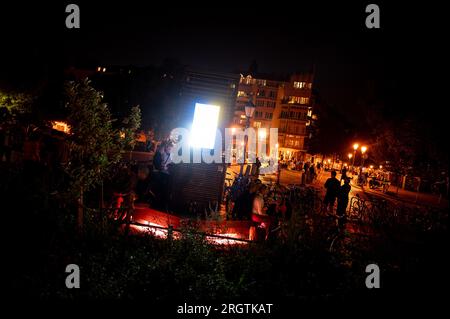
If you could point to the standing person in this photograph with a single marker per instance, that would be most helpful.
(344, 174)
(305, 173)
(312, 173)
(342, 198)
(258, 165)
(161, 163)
(332, 186)
(150, 141)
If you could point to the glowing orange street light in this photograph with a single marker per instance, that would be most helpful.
(363, 150)
(355, 147)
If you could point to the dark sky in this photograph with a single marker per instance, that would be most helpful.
(228, 36)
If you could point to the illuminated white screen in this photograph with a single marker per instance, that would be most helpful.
(204, 126)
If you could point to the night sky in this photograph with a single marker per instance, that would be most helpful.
(350, 60)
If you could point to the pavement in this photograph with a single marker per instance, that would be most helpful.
(394, 195)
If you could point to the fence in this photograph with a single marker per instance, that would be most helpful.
(381, 212)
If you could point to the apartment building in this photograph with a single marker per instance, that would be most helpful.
(283, 103)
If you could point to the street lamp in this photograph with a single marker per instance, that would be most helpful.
(249, 110)
(363, 150)
(355, 147)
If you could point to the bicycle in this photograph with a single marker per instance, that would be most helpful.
(378, 213)
(358, 209)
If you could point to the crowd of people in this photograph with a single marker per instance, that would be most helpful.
(260, 203)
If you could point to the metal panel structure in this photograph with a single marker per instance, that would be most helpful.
(196, 187)
(199, 186)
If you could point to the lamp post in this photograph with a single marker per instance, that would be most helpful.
(363, 151)
(355, 147)
(249, 110)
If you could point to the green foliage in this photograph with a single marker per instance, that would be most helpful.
(14, 104)
(396, 143)
(93, 151)
(130, 125)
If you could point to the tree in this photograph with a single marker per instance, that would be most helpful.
(130, 125)
(93, 150)
(13, 105)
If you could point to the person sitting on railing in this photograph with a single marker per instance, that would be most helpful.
(259, 212)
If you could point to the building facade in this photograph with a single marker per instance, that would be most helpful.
(285, 104)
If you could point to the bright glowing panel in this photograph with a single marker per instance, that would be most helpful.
(204, 126)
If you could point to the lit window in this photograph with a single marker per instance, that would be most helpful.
(262, 82)
(257, 124)
(241, 93)
(299, 85)
(294, 99)
(104, 69)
